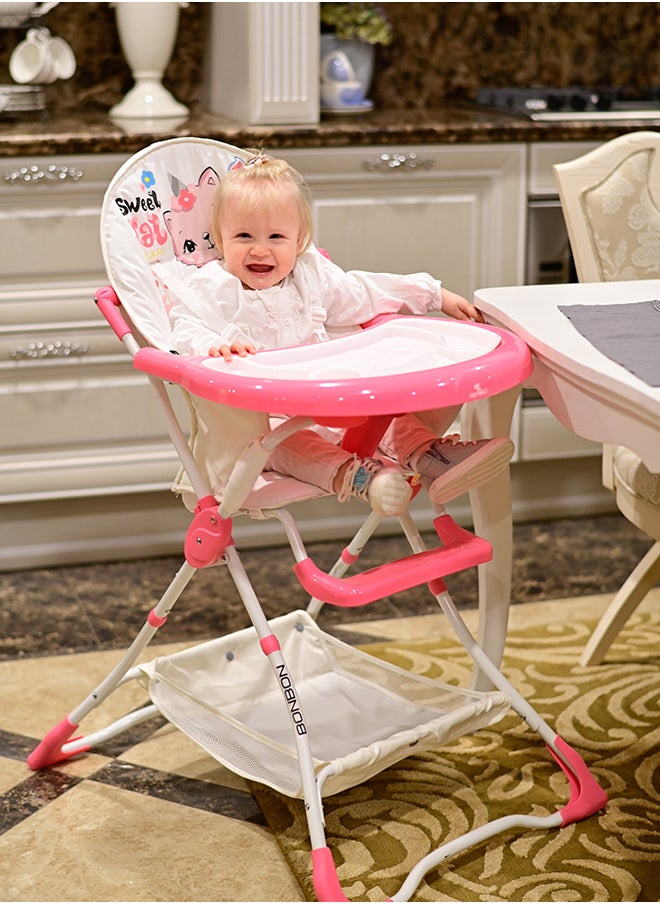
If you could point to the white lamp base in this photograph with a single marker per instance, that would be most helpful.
(148, 99)
(147, 33)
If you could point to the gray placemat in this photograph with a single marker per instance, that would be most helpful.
(629, 334)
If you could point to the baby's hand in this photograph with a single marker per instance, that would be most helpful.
(242, 349)
(458, 307)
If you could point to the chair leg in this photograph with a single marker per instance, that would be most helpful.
(644, 577)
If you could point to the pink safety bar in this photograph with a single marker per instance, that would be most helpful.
(505, 366)
(460, 550)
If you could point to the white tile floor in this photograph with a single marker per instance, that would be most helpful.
(160, 821)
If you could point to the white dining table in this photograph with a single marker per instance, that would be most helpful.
(587, 391)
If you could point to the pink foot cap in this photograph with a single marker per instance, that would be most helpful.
(50, 749)
(326, 883)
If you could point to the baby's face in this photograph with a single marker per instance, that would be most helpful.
(260, 246)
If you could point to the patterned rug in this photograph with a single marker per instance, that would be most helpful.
(609, 713)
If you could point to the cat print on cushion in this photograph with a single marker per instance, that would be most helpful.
(189, 220)
(186, 223)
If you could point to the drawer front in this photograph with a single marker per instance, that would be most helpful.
(80, 429)
(68, 390)
(544, 155)
(49, 215)
(87, 473)
(66, 406)
(45, 325)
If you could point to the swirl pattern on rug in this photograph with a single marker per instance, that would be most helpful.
(610, 713)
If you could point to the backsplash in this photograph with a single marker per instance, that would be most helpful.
(441, 52)
(102, 76)
(448, 50)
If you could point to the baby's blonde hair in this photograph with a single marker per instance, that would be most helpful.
(261, 181)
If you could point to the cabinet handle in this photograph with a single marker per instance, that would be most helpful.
(59, 349)
(52, 173)
(398, 161)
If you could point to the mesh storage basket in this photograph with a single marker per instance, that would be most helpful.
(361, 714)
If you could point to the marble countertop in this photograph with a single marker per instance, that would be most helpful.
(94, 132)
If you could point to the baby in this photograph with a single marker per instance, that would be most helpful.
(272, 289)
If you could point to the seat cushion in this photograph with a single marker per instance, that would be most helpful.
(632, 471)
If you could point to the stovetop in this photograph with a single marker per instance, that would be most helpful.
(573, 104)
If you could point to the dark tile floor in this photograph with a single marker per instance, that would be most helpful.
(97, 607)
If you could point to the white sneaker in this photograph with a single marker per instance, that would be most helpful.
(455, 467)
(385, 488)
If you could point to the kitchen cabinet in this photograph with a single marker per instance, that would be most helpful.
(85, 463)
(457, 212)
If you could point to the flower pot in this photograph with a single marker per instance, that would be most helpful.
(347, 68)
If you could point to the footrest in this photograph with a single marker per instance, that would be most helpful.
(460, 550)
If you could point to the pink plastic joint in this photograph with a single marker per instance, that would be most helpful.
(206, 502)
(208, 535)
(155, 620)
(108, 304)
(437, 586)
(270, 644)
(587, 797)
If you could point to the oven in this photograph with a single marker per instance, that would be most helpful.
(548, 257)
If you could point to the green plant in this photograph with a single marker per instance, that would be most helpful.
(365, 21)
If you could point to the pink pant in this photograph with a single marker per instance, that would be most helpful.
(315, 456)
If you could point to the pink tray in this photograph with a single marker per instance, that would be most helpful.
(403, 364)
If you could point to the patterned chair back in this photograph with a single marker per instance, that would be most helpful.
(609, 201)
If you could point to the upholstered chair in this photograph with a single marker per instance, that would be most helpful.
(610, 200)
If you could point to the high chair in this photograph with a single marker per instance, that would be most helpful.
(282, 702)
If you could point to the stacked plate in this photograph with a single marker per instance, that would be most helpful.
(21, 99)
(13, 15)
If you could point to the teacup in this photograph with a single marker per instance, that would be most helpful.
(41, 59)
(65, 61)
(342, 94)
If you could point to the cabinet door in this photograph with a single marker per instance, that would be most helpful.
(455, 212)
(83, 422)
